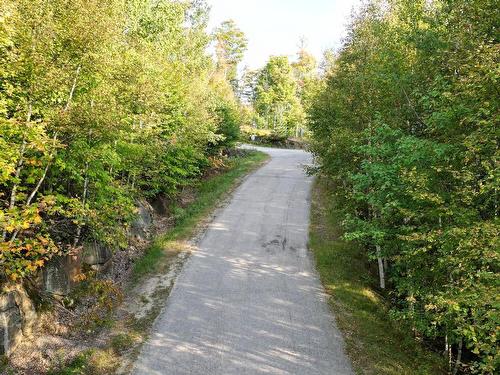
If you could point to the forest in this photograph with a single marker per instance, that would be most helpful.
(405, 126)
(103, 103)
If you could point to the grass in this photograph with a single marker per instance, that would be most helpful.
(122, 342)
(90, 362)
(209, 194)
(4, 361)
(375, 344)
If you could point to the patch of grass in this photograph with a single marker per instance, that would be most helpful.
(89, 362)
(375, 344)
(208, 195)
(122, 342)
(77, 366)
(4, 362)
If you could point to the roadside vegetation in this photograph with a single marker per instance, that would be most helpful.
(405, 129)
(376, 344)
(279, 95)
(103, 104)
(106, 104)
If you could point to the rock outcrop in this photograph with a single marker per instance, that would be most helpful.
(141, 226)
(17, 316)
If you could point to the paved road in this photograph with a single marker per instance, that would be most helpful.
(249, 301)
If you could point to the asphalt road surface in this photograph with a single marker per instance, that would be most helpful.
(249, 301)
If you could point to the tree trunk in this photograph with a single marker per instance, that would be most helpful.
(447, 351)
(84, 201)
(19, 167)
(39, 183)
(459, 357)
(381, 272)
(42, 178)
(73, 87)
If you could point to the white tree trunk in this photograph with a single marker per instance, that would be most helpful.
(447, 351)
(381, 271)
(84, 201)
(73, 87)
(19, 167)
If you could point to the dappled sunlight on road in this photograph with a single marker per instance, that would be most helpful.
(249, 300)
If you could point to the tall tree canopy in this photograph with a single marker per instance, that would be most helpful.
(276, 99)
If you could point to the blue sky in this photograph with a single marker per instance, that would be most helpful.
(275, 27)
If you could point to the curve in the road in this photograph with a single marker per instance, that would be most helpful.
(249, 301)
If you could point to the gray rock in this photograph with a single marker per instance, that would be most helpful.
(95, 253)
(10, 329)
(17, 316)
(56, 277)
(141, 226)
(7, 301)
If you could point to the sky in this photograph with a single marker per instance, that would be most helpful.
(275, 27)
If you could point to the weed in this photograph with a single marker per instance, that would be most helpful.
(76, 366)
(102, 297)
(4, 362)
(89, 362)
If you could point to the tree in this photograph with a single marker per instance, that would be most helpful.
(276, 100)
(247, 86)
(305, 70)
(101, 104)
(230, 47)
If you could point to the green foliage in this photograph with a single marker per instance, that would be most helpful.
(102, 297)
(121, 342)
(376, 345)
(101, 103)
(263, 137)
(276, 100)
(231, 44)
(88, 362)
(281, 92)
(229, 127)
(228, 115)
(77, 366)
(405, 126)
